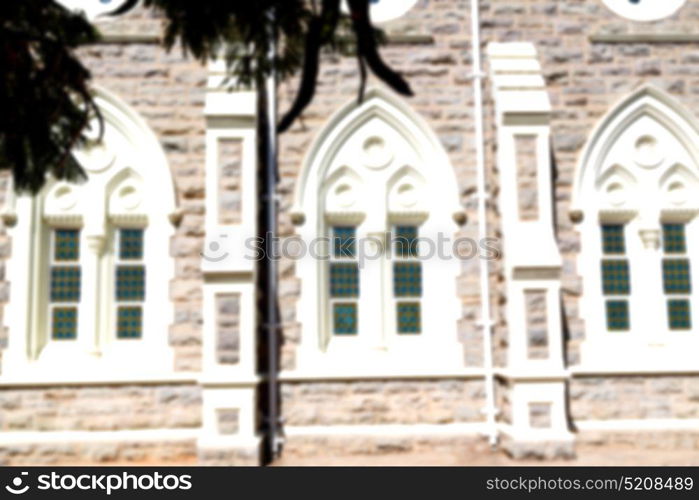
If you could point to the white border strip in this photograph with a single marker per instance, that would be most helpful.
(630, 425)
(461, 429)
(141, 435)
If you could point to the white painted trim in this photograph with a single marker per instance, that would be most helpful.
(38, 378)
(632, 424)
(140, 435)
(633, 368)
(378, 430)
(369, 374)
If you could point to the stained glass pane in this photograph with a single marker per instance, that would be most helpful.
(66, 244)
(344, 279)
(676, 276)
(405, 241)
(407, 279)
(678, 314)
(617, 315)
(615, 277)
(65, 284)
(344, 242)
(64, 323)
(130, 283)
(674, 239)
(131, 244)
(345, 319)
(408, 317)
(613, 239)
(129, 322)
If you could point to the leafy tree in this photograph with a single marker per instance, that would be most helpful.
(45, 100)
(45, 103)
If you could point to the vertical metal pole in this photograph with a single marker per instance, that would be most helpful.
(486, 322)
(267, 154)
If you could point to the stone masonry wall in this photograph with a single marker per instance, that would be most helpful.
(100, 408)
(382, 402)
(628, 397)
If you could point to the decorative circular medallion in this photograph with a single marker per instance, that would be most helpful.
(386, 10)
(644, 10)
(375, 153)
(647, 154)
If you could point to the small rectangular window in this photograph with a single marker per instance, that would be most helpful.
(617, 315)
(674, 239)
(64, 284)
(616, 277)
(405, 241)
(407, 280)
(677, 279)
(130, 283)
(613, 239)
(409, 320)
(679, 316)
(345, 318)
(344, 242)
(343, 283)
(676, 276)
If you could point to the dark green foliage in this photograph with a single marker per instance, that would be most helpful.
(304, 29)
(45, 103)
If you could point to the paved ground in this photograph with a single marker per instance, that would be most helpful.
(586, 456)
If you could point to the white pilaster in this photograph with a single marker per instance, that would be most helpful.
(532, 259)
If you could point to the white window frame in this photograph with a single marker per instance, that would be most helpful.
(123, 172)
(614, 184)
(334, 165)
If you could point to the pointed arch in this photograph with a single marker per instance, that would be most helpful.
(646, 102)
(376, 170)
(129, 193)
(392, 110)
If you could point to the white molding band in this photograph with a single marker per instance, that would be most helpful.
(140, 435)
(383, 430)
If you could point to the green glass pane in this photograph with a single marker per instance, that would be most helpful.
(130, 283)
(405, 242)
(129, 322)
(408, 317)
(344, 279)
(678, 315)
(64, 323)
(674, 239)
(613, 239)
(615, 277)
(407, 279)
(344, 242)
(66, 244)
(676, 276)
(617, 315)
(345, 319)
(65, 284)
(131, 244)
